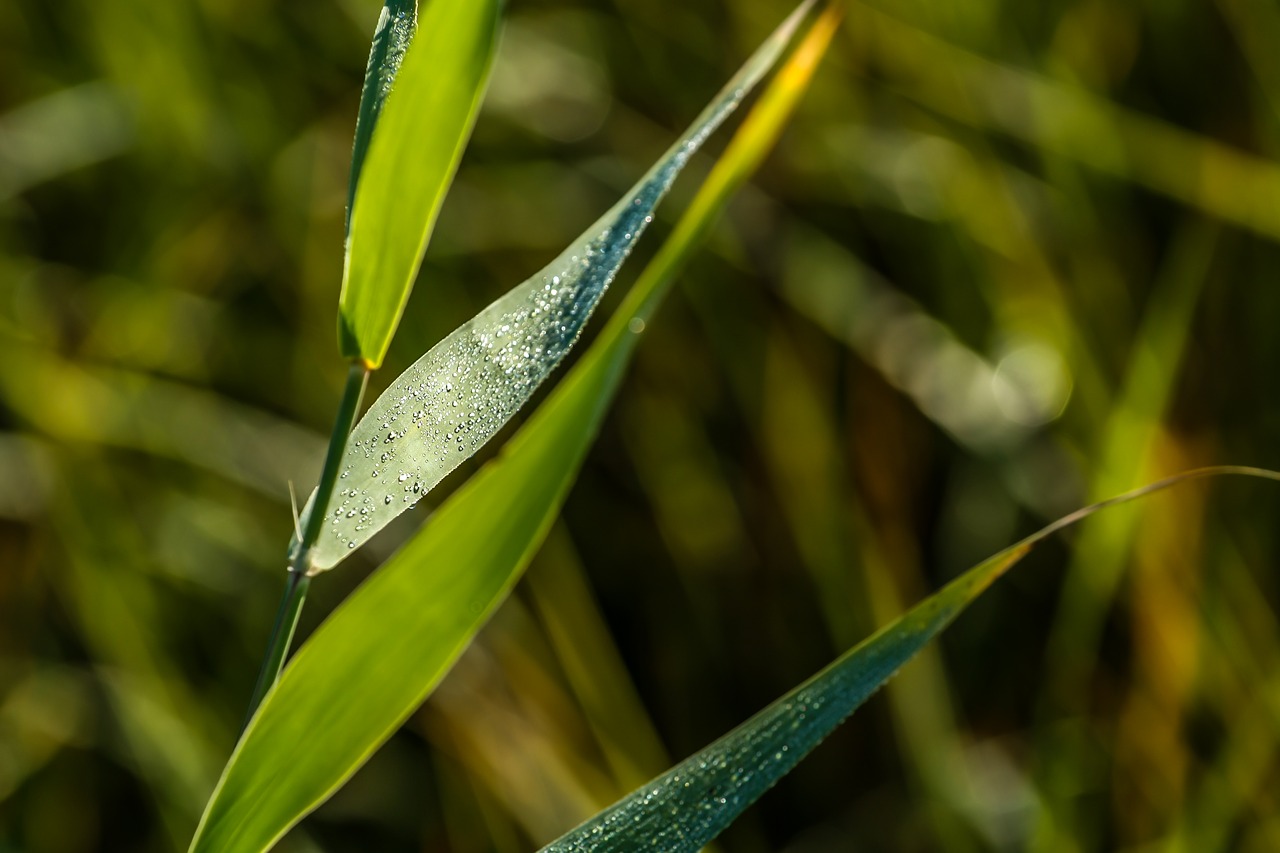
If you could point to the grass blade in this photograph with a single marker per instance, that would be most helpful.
(401, 631)
(450, 402)
(396, 26)
(413, 153)
(689, 805)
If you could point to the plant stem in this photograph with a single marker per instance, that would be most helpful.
(295, 591)
(300, 559)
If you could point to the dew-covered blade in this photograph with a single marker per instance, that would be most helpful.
(687, 807)
(450, 402)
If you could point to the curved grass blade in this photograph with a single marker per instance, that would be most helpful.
(688, 806)
(391, 38)
(450, 402)
(382, 651)
(413, 153)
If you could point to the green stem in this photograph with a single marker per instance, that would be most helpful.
(295, 591)
(300, 559)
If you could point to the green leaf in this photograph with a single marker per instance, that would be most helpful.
(458, 395)
(385, 648)
(689, 805)
(391, 38)
(416, 144)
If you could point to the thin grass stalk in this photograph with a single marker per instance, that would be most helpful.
(295, 591)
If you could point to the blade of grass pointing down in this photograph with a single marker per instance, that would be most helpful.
(689, 805)
(413, 152)
(382, 651)
(450, 402)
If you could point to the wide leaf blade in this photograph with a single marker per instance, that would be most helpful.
(416, 145)
(382, 651)
(450, 402)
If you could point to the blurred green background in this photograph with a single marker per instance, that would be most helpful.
(1010, 257)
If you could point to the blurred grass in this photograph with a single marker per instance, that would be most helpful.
(1008, 257)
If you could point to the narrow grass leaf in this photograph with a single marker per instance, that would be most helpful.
(414, 150)
(687, 807)
(450, 402)
(396, 26)
(385, 648)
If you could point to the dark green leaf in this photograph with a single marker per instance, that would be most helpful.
(415, 148)
(396, 26)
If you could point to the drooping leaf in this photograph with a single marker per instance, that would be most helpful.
(383, 650)
(391, 38)
(416, 144)
(450, 402)
(688, 806)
